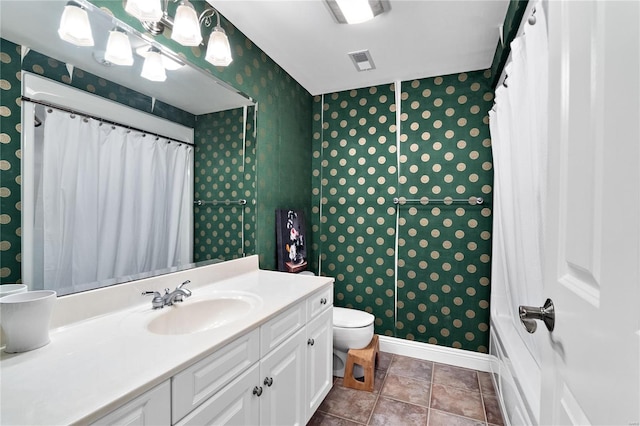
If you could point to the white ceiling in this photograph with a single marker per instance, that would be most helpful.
(415, 39)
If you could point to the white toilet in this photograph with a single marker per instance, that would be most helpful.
(352, 329)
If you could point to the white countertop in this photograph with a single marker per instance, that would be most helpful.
(95, 364)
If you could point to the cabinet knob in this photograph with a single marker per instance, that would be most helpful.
(257, 390)
(311, 342)
(268, 381)
(323, 301)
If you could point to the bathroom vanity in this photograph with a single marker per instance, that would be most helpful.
(248, 347)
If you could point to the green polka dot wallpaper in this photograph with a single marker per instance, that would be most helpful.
(435, 287)
(224, 171)
(10, 152)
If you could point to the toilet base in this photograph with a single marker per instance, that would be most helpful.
(339, 363)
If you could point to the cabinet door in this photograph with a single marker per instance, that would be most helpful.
(150, 408)
(283, 381)
(235, 404)
(319, 360)
(196, 384)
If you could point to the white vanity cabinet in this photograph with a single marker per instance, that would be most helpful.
(276, 374)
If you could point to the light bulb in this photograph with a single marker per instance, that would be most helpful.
(218, 49)
(152, 69)
(119, 49)
(74, 26)
(186, 28)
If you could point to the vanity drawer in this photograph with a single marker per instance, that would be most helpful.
(318, 302)
(193, 386)
(278, 329)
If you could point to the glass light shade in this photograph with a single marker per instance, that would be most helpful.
(218, 49)
(186, 28)
(169, 64)
(145, 10)
(75, 27)
(355, 11)
(119, 49)
(152, 69)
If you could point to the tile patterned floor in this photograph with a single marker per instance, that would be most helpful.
(411, 391)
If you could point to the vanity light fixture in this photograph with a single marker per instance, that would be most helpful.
(185, 29)
(144, 10)
(186, 26)
(74, 25)
(356, 11)
(119, 49)
(153, 69)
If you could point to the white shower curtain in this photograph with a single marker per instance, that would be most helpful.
(518, 127)
(115, 202)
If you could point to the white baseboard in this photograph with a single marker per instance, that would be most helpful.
(436, 353)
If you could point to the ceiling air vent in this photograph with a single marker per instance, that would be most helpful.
(362, 60)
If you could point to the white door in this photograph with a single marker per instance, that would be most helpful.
(591, 360)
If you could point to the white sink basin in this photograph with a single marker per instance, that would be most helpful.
(193, 316)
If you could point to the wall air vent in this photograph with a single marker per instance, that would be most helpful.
(362, 60)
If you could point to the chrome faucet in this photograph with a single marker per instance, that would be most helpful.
(176, 295)
(169, 298)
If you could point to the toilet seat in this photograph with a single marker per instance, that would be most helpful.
(351, 318)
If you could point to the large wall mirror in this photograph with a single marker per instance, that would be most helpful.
(214, 122)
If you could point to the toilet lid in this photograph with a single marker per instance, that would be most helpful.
(351, 318)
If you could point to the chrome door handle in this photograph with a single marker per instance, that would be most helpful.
(547, 314)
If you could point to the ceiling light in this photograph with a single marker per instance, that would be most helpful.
(186, 27)
(153, 69)
(356, 11)
(74, 25)
(119, 49)
(144, 10)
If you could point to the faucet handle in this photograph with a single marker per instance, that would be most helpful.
(157, 302)
(185, 291)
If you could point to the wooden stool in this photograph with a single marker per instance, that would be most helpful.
(366, 358)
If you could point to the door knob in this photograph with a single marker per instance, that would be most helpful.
(547, 314)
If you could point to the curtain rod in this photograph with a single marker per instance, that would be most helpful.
(241, 201)
(102, 120)
(426, 200)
